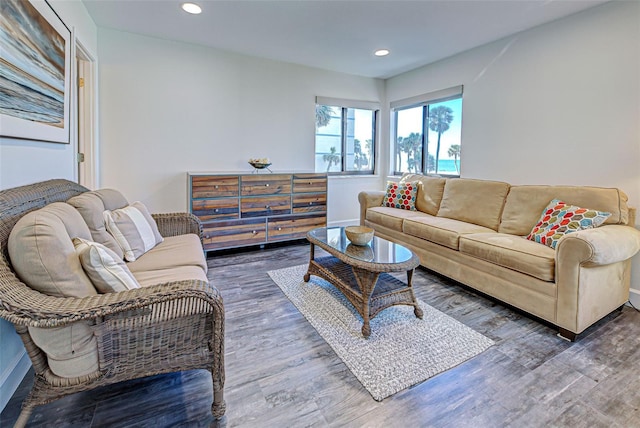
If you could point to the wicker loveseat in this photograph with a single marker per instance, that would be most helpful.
(161, 327)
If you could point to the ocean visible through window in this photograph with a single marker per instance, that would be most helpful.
(428, 137)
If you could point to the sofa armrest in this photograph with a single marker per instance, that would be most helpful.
(593, 274)
(368, 199)
(600, 246)
(173, 224)
(27, 307)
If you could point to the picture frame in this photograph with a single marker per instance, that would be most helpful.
(35, 72)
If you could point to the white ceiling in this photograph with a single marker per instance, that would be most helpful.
(333, 34)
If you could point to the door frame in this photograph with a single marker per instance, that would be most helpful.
(86, 172)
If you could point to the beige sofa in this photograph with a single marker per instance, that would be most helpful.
(86, 317)
(473, 231)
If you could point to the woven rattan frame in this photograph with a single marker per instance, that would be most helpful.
(365, 284)
(147, 331)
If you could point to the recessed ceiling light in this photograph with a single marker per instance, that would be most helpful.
(191, 8)
(382, 52)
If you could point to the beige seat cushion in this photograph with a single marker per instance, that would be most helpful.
(439, 230)
(161, 276)
(525, 204)
(512, 252)
(430, 191)
(391, 218)
(474, 201)
(72, 350)
(91, 205)
(174, 251)
(43, 254)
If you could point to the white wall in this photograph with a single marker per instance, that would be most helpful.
(24, 162)
(168, 107)
(558, 104)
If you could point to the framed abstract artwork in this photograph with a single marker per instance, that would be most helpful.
(35, 70)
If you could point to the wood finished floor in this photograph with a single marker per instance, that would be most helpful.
(281, 373)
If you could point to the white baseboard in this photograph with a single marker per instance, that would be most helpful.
(12, 376)
(634, 297)
(344, 223)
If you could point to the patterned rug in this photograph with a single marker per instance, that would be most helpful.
(402, 350)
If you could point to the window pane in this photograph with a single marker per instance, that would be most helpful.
(359, 140)
(445, 137)
(328, 138)
(345, 139)
(408, 142)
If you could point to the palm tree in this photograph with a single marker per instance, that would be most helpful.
(399, 150)
(359, 158)
(412, 146)
(454, 152)
(439, 120)
(323, 115)
(331, 158)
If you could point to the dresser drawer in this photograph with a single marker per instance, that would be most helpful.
(262, 206)
(285, 228)
(265, 184)
(309, 202)
(208, 186)
(234, 233)
(216, 209)
(309, 183)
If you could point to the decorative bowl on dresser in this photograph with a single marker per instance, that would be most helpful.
(239, 210)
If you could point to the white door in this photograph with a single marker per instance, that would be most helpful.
(86, 89)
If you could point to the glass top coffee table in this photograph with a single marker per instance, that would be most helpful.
(361, 272)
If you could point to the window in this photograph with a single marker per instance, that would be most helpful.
(428, 124)
(345, 136)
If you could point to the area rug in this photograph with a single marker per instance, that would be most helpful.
(402, 350)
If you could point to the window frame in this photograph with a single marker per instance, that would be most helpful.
(344, 105)
(424, 101)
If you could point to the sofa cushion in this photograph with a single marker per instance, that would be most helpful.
(133, 229)
(71, 350)
(474, 201)
(525, 203)
(512, 252)
(43, 255)
(389, 217)
(439, 230)
(107, 271)
(559, 219)
(401, 195)
(174, 251)
(91, 205)
(161, 276)
(430, 191)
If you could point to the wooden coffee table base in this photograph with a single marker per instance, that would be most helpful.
(369, 292)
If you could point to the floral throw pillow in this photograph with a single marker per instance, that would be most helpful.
(560, 218)
(401, 195)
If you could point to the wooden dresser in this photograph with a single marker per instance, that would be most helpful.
(237, 210)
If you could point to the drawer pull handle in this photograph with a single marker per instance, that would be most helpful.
(216, 210)
(311, 182)
(310, 203)
(267, 207)
(255, 232)
(216, 186)
(266, 185)
(278, 228)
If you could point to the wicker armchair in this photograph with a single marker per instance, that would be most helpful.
(164, 328)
